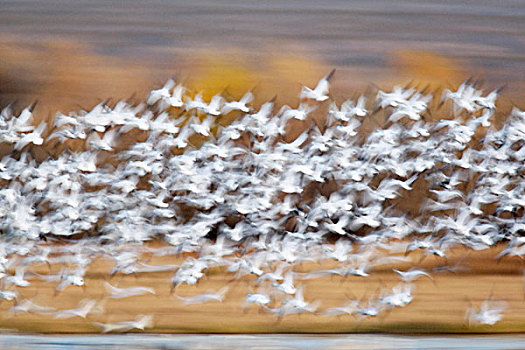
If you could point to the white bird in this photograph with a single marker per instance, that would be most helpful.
(348, 110)
(320, 92)
(8, 295)
(202, 128)
(197, 103)
(18, 278)
(300, 113)
(21, 123)
(120, 293)
(338, 227)
(163, 123)
(162, 93)
(205, 298)
(66, 278)
(294, 146)
(141, 322)
(374, 308)
(240, 105)
(490, 312)
(273, 276)
(190, 273)
(287, 286)
(85, 307)
(106, 143)
(78, 132)
(175, 100)
(214, 107)
(483, 120)
(349, 308)
(360, 271)
(466, 97)
(237, 233)
(412, 274)
(181, 141)
(34, 137)
(263, 114)
(445, 195)
(489, 101)
(359, 109)
(97, 119)
(295, 305)
(397, 97)
(340, 250)
(86, 161)
(401, 296)
(259, 299)
(411, 107)
(29, 306)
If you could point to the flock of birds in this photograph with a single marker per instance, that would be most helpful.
(242, 198)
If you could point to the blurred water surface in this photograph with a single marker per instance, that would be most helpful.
(293, 342)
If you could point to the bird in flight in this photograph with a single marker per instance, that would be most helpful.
(320, 92)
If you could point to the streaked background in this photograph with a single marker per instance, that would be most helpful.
(70, 53)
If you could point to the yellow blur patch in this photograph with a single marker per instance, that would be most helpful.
(214, 75)
(428, 68)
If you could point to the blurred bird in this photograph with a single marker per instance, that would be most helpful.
(141, 322)
(320, 92)
(119, 293)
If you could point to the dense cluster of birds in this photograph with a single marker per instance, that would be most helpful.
(243, 197)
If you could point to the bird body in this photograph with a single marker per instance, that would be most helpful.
(205, 298)
(490, 313)
(320, 92)
(119, 293)
(259, 299)
(85, 307)
(162, 93)
(34, 137)
(240, 105)
(411, 275)
(141, 322)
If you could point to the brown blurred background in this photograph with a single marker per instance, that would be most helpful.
(72, 54)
